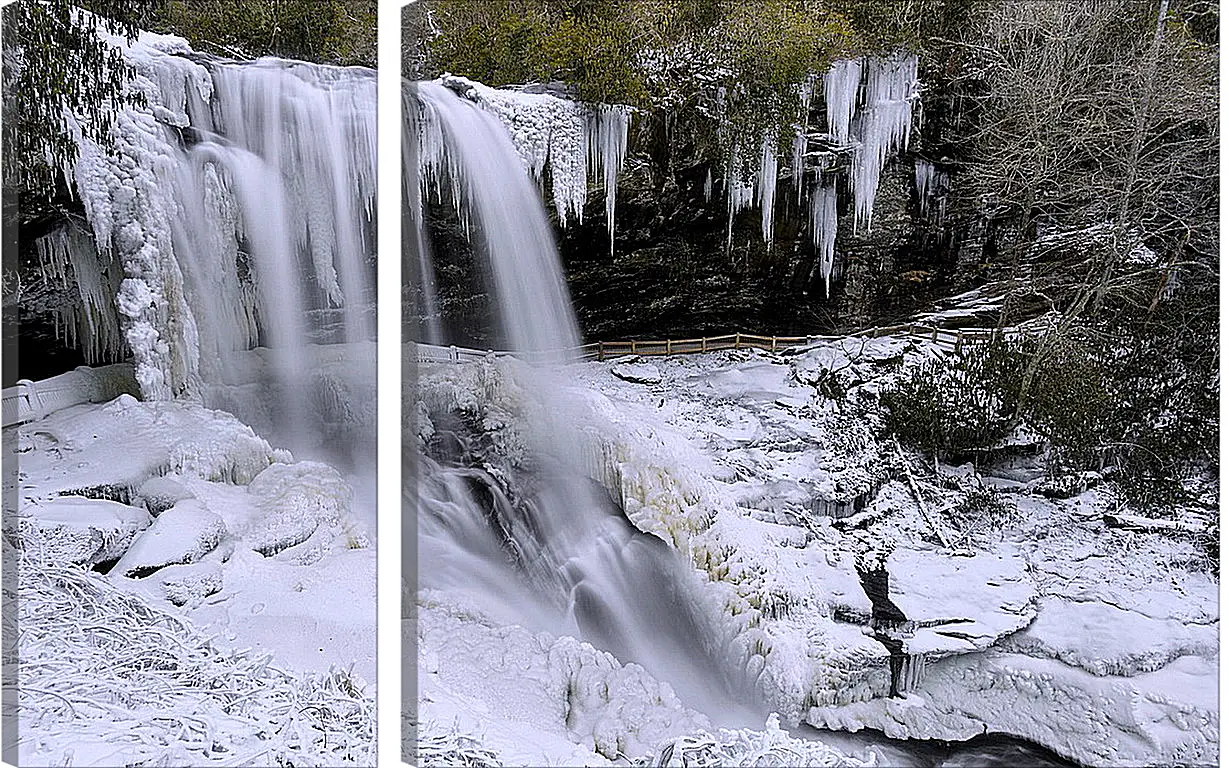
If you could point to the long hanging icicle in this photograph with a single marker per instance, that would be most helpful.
(608, 148)
(767, 183)
(841, 96)
(823, 229)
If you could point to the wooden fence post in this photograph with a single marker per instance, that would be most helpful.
(633, 346)
(601, 350)
(668, 350)
(738, 337)
(704, 344)
(774, 343)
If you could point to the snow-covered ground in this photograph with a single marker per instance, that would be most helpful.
(187, 594)
(767, 472)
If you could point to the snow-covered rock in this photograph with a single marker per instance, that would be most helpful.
(76, 529)
(295, 502)
(637, 373)
(182, 534)
(161, 493)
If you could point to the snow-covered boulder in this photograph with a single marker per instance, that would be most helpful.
(85, 531)
(637, 373)
(990, 594)
(182, 534)
(295, 501)
(161, 493)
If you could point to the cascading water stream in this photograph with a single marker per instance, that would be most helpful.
(528, 543)
(539, 546)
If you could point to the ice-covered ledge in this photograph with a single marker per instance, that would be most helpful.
(575, 139)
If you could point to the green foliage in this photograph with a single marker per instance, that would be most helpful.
(54, 63)
(738, 63)
(1137, 397)
(949, 405)
(339, 32)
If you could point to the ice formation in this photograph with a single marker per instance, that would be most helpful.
(880, 127)
(841, 96)
(931, 185)
(823, 228)
(568, 137)
(885, 122)
(92, 325)
(215, 188)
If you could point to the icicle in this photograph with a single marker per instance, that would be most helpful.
(767, 183)
(840, 97)
(923, 176)
(739, 192)
(883, 128)
(798, 167)
(708, 186)
(823, 229)
(611, 146)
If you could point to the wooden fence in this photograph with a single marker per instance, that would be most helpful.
(953, 339)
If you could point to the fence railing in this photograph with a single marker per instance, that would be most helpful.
(953, 339)
(30, 400)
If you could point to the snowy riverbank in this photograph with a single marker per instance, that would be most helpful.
(187, 593)
(1036, 619)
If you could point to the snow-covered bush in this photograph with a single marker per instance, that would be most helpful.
(144, 687)
(946, 405)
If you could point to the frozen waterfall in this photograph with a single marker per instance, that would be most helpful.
(466, 151)
(571, 139)
(238, 204)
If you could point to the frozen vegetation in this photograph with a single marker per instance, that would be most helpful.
(238, 594)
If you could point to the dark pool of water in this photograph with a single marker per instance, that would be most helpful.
(994, 750)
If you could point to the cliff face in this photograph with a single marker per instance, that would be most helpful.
(683, 266)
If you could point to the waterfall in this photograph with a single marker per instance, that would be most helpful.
(530, 540)
(463, 146)
(239, 202)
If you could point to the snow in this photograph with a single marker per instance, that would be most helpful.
(1054, 628)
(180, 535)
(291, 652)
(80, 530)
(639, 373)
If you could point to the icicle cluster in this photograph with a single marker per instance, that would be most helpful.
(874, 127)
(92, 325)
(841, 97)
(568, 137)
(884, 125)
